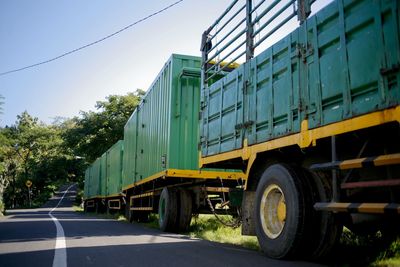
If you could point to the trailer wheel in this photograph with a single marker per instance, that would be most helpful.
(129, 215)
(168, 210)
(128, 212)
(185, 210)
(108, 210)
(324, 228)
(280, 211)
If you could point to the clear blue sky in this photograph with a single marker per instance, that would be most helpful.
(34, 31)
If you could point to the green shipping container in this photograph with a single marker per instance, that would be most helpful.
(94, 179)
(114, 168)
(162, 132)
(341, 63)
(87, 183)
(103, 174)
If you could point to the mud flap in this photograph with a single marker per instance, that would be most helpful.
(248, 204)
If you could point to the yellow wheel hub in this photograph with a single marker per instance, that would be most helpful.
(273, 211)
(282, 210)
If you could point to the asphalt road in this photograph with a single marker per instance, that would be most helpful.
(32, 238)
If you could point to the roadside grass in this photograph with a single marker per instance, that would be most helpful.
(209, 228)
(112, 216)
(369, 250)
(353, 250)
(77, 208)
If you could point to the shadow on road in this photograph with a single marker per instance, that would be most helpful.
(27, 238)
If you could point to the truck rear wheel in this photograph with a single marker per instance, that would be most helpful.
(280, 211)
(324, 229)
(185, 210)
(168, 210)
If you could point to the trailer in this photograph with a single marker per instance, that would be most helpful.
(312, 120)
(103, 181)
(92, 196)
(160, 170)
(289, 122)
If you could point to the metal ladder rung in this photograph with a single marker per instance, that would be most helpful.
(390, 159)
(372, 208)
(142, 208)
(381, 183)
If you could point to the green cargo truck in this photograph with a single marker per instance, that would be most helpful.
(313, 119)
(161, 148)
(114, 194)
(103, 181)
(289, 122)
(93, 187)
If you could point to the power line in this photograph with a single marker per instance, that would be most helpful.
(93, 43)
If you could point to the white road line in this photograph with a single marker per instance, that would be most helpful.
(60, 253)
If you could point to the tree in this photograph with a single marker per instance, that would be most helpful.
(92, 134)
(34, 151)
(50, 154)
(6, 167)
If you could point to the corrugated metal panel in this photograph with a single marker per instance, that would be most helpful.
(272, 99)
(222, 114)
(184, 136)
(353, 41)
(342, 62)
(114, 168)
(103, 174)
(162, 132)
(94, 185)
(130, 139)
(87, 183)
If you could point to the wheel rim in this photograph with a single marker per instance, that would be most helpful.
(273, 211)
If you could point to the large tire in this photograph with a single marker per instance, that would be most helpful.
(185, 210)
(280, 212)
(128, 211)
(168, 210)
(108, 210)
(324, 229)
(126, 208)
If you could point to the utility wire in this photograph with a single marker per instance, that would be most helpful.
(93, 43)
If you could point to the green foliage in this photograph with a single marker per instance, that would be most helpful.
(365, 250)
(390, 256)
(33, 151)
(52, 154)
(94, 132)
(209, 228)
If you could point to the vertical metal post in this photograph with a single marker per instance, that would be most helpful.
(303, 10)
(335, 192)
(29, 197)
(204, 48)
(250, 31)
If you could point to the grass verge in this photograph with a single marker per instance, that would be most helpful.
(209, 228)
(111, 216)
(352, 250)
